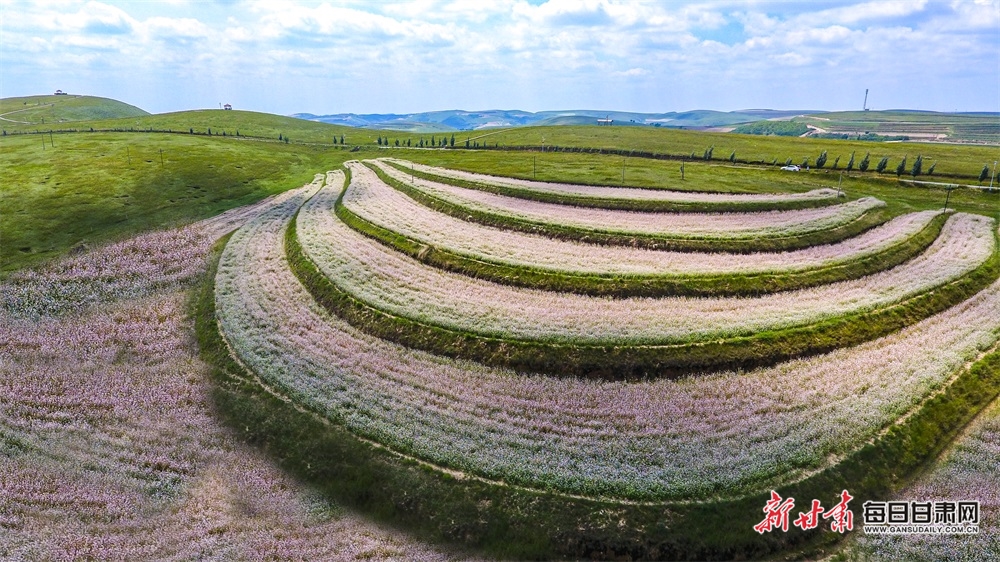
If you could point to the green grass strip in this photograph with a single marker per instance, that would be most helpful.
(622, 286)
(512, 522)
(866, 221)
(630, 362)
(621, 203)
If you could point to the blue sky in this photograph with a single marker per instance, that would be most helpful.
(424, 55)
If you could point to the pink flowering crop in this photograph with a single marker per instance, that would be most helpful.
(389, 281)
(370, 198)
(722, 434)
(708, 225)
(110, 448)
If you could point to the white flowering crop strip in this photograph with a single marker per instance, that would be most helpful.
(711, 436)
(111, 443)
(128, 269)
(969, 472)
(609, 192)
(371, 199)
(391, 282)
(675, 225)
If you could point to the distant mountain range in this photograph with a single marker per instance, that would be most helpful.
(459, 120)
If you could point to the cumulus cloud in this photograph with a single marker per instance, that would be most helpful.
(432, 54)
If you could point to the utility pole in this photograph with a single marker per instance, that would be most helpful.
(949, 188)
(993, 175)
(53, 144)
(623, 171)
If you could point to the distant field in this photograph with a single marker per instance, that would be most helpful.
(20, 112)
(604, 169)
(918, 125)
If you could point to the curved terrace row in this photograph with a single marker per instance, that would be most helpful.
(755, 231)
(374, 208)
(393, 295)
(724, 435)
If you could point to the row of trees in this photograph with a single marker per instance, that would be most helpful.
(434, 142)
(863, 165)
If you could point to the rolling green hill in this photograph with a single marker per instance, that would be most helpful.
(219, 122)
(16, 113)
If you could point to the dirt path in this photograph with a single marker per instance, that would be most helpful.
(4, 118)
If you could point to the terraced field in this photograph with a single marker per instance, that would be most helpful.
(683, 231)
(584, 375)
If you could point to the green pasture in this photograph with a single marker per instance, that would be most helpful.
(53, 110)
(91, 188)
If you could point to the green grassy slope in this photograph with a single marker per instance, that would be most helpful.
(32, 111)
(85, 190)
(246, 123)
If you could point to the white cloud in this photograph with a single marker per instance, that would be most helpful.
(511, 52)
(880, 9)
(633, 72)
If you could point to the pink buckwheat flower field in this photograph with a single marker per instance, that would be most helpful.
(437, 364)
